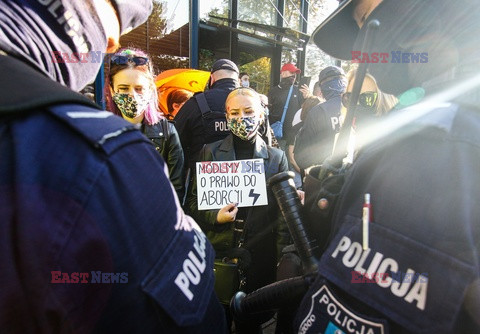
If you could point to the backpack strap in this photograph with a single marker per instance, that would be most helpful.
(287, 102)
(202, 103)
(214, 123)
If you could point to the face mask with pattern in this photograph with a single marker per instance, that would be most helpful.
(244, 128)
(131, 106)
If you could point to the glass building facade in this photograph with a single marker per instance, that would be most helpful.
(257, 35)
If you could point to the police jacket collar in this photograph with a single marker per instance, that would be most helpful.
(228, 150)
(23, 88)
(227, 83)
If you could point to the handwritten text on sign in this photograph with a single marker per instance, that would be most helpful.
(223, 182)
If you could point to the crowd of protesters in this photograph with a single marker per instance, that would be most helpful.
(310, 121)
(230, 121)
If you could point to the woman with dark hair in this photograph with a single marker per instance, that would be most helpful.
(130, 93)
(175, 100)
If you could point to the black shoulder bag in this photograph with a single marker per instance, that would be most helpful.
(231, 265)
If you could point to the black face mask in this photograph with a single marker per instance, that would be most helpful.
(364, 115)
(287, 81)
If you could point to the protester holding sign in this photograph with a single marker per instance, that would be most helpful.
(224, 182)
(258, 228)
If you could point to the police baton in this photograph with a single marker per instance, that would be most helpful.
(280, 294)
(341, 148)
(285, 192)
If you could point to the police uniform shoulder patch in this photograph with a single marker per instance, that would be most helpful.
(181, 281)
(102, 129)
(420, 293)
(329, 315)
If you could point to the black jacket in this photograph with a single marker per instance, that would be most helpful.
(277, 96)
(314, 141)
(171, 151)
(423, 184)
(266, 231)
(189, 122)
(83, 192)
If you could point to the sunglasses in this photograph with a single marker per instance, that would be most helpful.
(124, 60)
(366, 99)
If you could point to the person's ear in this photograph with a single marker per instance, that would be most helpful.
(211, 81)
(111, 24)
(261, 115)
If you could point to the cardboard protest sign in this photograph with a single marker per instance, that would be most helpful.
(223, 182)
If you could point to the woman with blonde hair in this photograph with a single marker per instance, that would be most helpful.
(372, 104)
(259, 232)
(371, 100)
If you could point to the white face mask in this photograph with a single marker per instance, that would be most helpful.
(245, 83)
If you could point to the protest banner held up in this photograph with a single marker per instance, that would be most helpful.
(222, 182)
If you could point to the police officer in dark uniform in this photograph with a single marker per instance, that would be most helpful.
(92, 237)
(407, 260)
(314, 141)
(201, 120)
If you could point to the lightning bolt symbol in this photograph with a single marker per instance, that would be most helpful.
(254, 196)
